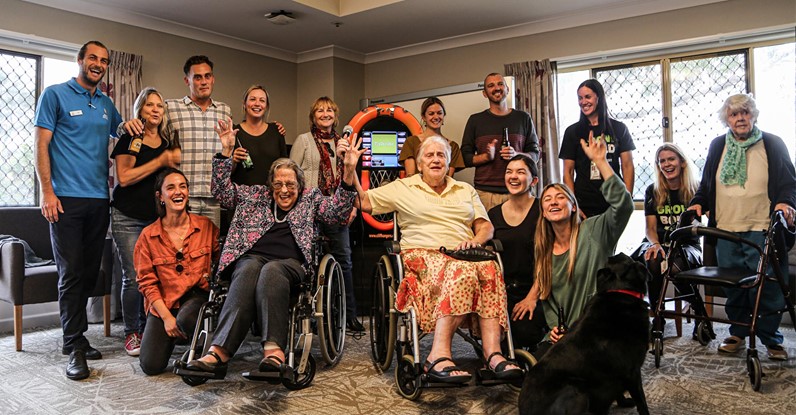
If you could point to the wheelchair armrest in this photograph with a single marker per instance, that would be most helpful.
(392, 247)
(12, 272)
(495, 244)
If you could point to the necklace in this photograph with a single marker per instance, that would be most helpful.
(276, 214)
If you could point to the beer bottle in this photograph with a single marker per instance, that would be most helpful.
(137, 141)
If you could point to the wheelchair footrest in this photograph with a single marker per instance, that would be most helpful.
(486, 377)
(255, 375)
(180, 369)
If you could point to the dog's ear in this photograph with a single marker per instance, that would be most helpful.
(605, 278)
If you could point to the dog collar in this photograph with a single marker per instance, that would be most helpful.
(636, 294)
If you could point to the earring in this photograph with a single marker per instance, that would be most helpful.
(162, 203)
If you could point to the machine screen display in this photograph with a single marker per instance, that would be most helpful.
(383, 148)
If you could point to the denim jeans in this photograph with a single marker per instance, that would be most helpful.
(340, 245)
(206, 206)
(125, 231)
(77, 239)
(740, 301)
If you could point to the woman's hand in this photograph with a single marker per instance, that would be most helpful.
(787, 211)
(239, 154)
(351, 160)
(170, 324)
(654, 251)
(527, 305)
(171, 158)
(342, 147)
(227, 136)
(555, 336)
(595, 149)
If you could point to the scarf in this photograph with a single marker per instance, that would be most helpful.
(327, 182)
(733, 171)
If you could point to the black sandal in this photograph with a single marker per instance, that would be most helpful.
(218, 369)
(271, 363)
(444, 375)
(500, 370)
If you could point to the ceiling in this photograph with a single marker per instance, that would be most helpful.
(360, 30)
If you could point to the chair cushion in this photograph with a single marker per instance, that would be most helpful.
(725, 277)
(40, 285)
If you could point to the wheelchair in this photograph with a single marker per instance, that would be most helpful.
(712, 276)
(319, 311)
(393, 332)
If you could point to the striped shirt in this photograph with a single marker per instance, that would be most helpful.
(197, 138)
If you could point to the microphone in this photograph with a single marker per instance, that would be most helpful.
(91, 105)
(347, 131)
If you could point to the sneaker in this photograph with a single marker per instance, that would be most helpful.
(732, 344)
(132, 344)
(777, 352)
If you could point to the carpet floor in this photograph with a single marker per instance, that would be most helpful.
(692, 379)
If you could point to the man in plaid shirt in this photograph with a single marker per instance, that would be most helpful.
(190, 125)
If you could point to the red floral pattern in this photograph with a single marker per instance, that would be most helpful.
(438, 285)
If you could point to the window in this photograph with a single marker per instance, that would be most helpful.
(20, 85)
(19, 75)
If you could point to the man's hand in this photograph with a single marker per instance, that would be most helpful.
(491, 148)
(134, 127)
(507, 152)
(51, 207)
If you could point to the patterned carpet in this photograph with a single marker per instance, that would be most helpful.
(691, 380)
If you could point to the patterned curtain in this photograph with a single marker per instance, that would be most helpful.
(122, 87)
(536, 96)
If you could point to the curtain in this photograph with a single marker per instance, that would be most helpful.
(535, 95)
(123, 84)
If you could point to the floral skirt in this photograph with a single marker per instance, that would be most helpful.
(437, 285)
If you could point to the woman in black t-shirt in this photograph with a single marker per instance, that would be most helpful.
(138, 159)
(515, 225)
(664, 201)
(258, 143)
(580, 174)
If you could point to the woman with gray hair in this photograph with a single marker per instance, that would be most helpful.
(268, 250)
(138, 159)
(434, 209)
(747, 176)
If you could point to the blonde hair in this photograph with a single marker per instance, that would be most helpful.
(688, 180)
(544, 239)
(324, 102)
(138, 106)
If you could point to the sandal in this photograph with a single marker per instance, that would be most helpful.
(218, 369)
(500, 370)
(271, 363)
(444, 375)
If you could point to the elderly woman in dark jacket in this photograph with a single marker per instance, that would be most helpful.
(268, 250)
(747, 176)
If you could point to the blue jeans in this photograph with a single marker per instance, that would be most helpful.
(125, 231)
(77, 240)
(740, 301)
(340, 245)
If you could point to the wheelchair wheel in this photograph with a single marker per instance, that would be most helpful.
(406, 378)
(382, 321)
(525, 361)
(703, 333)
(657, 350)
(755, 372)
(297, 381)
(332, 306)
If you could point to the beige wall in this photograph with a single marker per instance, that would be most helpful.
(164, 56)
(472, 63)
(349, 87)
(339, 79)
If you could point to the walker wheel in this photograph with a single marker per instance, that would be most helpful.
(755, 372)
(657, 349)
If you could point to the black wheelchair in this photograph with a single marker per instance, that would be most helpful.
(319, 311)
(392, 330)
(711, 276)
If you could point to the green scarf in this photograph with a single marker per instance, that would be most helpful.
(734, 169)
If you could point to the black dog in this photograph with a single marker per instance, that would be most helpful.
(601, 355)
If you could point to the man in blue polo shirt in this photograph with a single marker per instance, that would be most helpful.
(73, 123)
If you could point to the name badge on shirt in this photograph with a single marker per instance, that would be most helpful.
(75, 113)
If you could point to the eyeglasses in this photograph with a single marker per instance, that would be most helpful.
(289, 185)
(179, 257)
